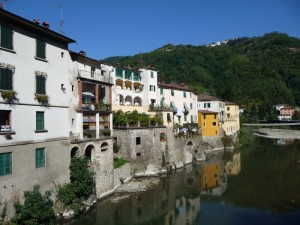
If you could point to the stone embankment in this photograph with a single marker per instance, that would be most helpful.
(278, 133)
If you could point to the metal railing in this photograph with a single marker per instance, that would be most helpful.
(95, 76)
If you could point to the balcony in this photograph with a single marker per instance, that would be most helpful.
(95, 76)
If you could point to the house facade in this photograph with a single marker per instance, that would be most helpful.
(214, 104)
(208, 121)
(178, 102)
(34, 107)
(232, 118)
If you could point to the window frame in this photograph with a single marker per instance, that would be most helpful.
(10, 46)
(40, 54)
(3, 72)
(40, 157)
(6, 169)
(40, 90)
(38, 126)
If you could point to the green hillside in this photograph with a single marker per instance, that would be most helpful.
(254, 72)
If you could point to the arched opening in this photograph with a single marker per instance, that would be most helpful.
(137, 101)
(74, 152)
(121, 100)
(128, 85)
(128, 100)
(190, 143)
(88, 154)
(137, 86)
(162, 137)
(104, 147)
(119, 84)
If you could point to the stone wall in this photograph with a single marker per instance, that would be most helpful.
(122, 173)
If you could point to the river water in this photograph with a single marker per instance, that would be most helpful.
(257, 184)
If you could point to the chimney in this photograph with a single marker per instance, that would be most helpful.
(82, 53)
(46, 25)
(36, 21)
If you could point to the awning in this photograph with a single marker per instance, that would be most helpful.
(186, 107)
(179, 112)
(172, 105)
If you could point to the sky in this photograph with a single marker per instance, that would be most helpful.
(105, 28)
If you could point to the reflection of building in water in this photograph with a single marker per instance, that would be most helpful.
(234, 167)
(284, 141)
(175, 200)
(213, 180)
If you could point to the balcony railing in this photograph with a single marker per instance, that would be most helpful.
(95, 76)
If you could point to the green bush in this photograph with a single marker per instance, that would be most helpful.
(80, 187)
(118, 162)
(37, 208)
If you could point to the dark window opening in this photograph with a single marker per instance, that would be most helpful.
(138, 140)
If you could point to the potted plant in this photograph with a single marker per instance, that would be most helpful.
(9, 96)
(42, 99)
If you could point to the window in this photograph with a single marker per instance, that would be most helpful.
(40, 49)
(152, 88)
(5, 163)
(207, 105)
(215, 116)
(185, 118)
(172, 92)
(168, 117)
(93, 69)
(191, 105)
(39, 157)
(138, 154)
(204, 124)
(152, 76)
(119, 72)
(5, 121)
(228, 108)
(214, 124)
(192, 119)
(6, 79)
(204, 116)
(184, 94)
(40, 121)
(6, 37)
(161, 91)
(40, 85)
(138, 140)
(179, 118)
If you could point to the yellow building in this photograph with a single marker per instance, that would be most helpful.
(208, 122)
(211, 176)
(232, 118)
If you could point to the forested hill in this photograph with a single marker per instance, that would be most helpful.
(254, 72)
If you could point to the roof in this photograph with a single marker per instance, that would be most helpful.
(207, 112)
(204, 97)
(181, 87)
(33, 27)
(82, 58)
(230, 103)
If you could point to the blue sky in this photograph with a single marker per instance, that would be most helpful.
(106, 28)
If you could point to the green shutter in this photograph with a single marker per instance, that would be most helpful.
(128, 74)
(40, 121)
(5, 79)
(40, 85)
(184, 94)
(185, 118)
(5, 164)
(119, 72)
(161, 91)
(40, 49)
(192, 118)
(39, 157)
(172, 92)
(6, 38)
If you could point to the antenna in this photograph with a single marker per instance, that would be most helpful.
(61, 22)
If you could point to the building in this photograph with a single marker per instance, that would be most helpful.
(178, 102)
(133, 89)
(286, 113)
(208, 121)
(34, 107)
(212, 103)
(91, 118)
(232, 118)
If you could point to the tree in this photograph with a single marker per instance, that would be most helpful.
(37, 208)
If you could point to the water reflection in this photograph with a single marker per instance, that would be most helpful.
(262, 180)
(283, 141)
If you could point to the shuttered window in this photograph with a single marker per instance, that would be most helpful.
(40, 49)
(40, 121)
(5, 163)
(40, 157)
(172, 92)
(40, 85)
(119, 72)
(6, 37)
(5, 79)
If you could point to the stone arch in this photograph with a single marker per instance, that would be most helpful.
(128, 100)
(190, 143)
(119, 84)
(74, 151)
(104, 147)
(88, 153)
(137, 101)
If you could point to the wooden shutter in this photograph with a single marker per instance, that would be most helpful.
(6, 38)
(40, 157)
(5, 164)
(5, 79)
(41, 85)
(39, 120)
(40, 49)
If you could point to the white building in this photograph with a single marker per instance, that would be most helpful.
(213, 104)
(181, 101)
(34, 106)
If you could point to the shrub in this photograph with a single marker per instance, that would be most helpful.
(118, 162)
(37, 208)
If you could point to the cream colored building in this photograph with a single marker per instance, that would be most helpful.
(232, 118)
(178, 103)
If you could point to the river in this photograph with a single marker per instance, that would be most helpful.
(257, 184)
